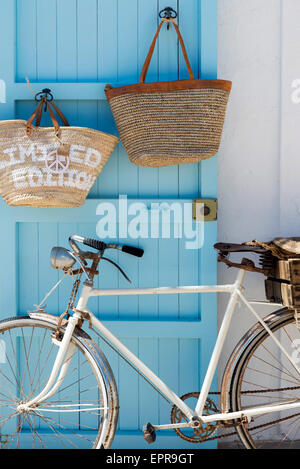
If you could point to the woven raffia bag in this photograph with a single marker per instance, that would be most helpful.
(50, 167)
(169, 123)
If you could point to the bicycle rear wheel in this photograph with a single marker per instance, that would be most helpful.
(263, 376)
(83, 411)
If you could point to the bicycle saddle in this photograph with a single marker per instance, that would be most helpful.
(226, 248)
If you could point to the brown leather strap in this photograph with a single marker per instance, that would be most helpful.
(61, 115)
(152, 47)
(53, 118)
(37, 110)
(37, 114)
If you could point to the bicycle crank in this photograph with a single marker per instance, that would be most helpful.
(204, 430)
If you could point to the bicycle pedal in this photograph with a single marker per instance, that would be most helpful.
(149, 433)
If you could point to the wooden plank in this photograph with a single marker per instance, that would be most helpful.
(88, 116)
(67, 90)
(147, 26)
(67, 40)
(189, 368)
(26, 36)
(188, 20)
(127, 69)
(148, 398)
(128, 391)
(47, 239)
(168, 372)
(87, 40)
(63, 233)
(107, 40)
(168, 71)
(85, 213)
(156, 329)
(28, 256)
(46, 37)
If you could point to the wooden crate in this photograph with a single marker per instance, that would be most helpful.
(288, 270)
(281, 292)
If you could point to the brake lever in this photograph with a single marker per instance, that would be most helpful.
(118, 267)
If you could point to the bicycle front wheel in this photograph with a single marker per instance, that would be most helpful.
(264, 376)
(83, 411)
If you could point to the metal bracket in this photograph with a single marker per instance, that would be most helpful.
(205, 209)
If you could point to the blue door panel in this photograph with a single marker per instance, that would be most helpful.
(81, 46)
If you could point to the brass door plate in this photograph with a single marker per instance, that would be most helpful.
(205, 209)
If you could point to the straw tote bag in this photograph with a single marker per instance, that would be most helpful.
(50, 166)
(169, 123)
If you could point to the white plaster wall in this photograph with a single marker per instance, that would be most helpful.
(259, 158)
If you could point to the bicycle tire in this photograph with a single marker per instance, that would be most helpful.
(281, 429)
(24, 342)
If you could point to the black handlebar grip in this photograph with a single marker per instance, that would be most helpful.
(134, 251)
(94, 243)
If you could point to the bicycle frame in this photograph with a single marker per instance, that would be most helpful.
(194, 415)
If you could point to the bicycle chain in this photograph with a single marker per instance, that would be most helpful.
(253, 428)
(290, 388)
(215, 393)
(231, 425)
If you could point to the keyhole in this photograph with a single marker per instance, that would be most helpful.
(205, 210)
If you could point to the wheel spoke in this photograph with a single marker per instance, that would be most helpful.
(29, 357)
(267, 371)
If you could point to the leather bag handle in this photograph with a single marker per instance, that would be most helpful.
(37, 114)
(152, 47)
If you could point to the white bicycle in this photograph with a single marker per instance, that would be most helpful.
(57, 389)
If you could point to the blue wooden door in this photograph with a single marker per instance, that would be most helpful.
(75, 47)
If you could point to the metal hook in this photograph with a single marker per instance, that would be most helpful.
(168, 13)
(44, 95)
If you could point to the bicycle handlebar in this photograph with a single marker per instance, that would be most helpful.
(101, 246)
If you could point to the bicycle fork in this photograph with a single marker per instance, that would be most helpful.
(62, 362)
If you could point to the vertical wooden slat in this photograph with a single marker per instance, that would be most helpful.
(26, 50)
(108, 182)
(147, 26)
(128, 389)
(168, 275)
(188, 367)
(128, 71)
(188, 275)
(148, 398)
(28, 266)
(47, 239)
(88, 115)
(87, 38)
(208, 184)
(168, 71)
(107, 40)
(188, 20)
(46, 25)
(64, 230)
(66, 40)
(169, 372)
